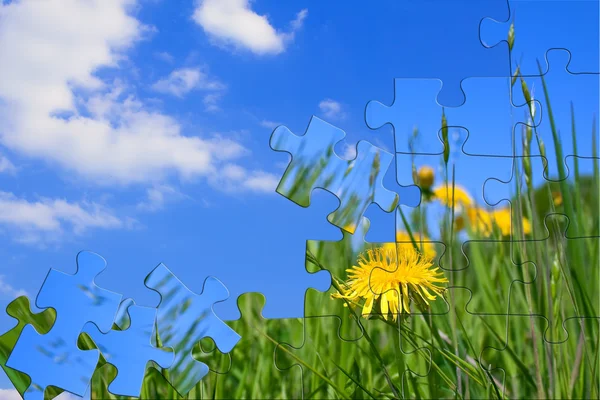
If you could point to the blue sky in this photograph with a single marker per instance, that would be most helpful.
(139, 129)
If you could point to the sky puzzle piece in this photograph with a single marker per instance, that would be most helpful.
(54, 359)
(356, 183)
(130, 350)
(184, 318)
(578, 33)
(488, 115)
(448, 46)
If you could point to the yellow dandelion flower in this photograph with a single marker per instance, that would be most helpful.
(484, 222)
(426, 176)
(461, 196)
(480, 221)
(390, 279)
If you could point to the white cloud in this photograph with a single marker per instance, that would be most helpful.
(269, 124)
(164, 56)
(234, 23)
(6, 165)
(10, 292)
(210, 102)
(184, 80)
(349, 152)
(46, 219)
(158, 196)
(53, 106)
(234, 178)
(331, 109)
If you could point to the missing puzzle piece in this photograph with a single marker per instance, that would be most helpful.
(130, 350)
(356, 183)
(184, 318)
(54, 359)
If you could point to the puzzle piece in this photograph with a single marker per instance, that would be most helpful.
(525, 353)
(437, 39)
(579, 18)
(457, 332)
(573, 110)
(21, 311)
(490, 134)
(130, 350)
(183, 319)
(357, 183)
(318, 354)
(53, 359)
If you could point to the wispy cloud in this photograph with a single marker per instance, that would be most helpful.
(184, 80)
(233, 178)
(8, 291)
(6, 166)
(232, 22)
(269, 124)
(164, 56)
(331, 109)
(47, 219)
(158, 196)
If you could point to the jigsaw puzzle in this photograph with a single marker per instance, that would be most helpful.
(488, 287)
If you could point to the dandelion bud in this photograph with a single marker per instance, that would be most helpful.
(426, 176)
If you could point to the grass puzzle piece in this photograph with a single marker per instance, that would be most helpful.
(320, 352)
(356, 183)
(458, 334)
(531, 362)
(253, 356)
(54, 359)
(579, 18)
(130, 350)
(183, 319)
(20, 310)
(579, 101)
(490, 134)
(561, 289)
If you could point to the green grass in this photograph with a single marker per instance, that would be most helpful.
(464, 346)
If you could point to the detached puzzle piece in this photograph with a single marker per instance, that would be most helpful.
(356, 183)
(578, 18)
(20, 310)
(54, 359)
(184, 318)
(130, 350)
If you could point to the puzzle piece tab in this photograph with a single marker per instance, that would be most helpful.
(183, 319)
(356, 183)
(54, 359)
(130, 350)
